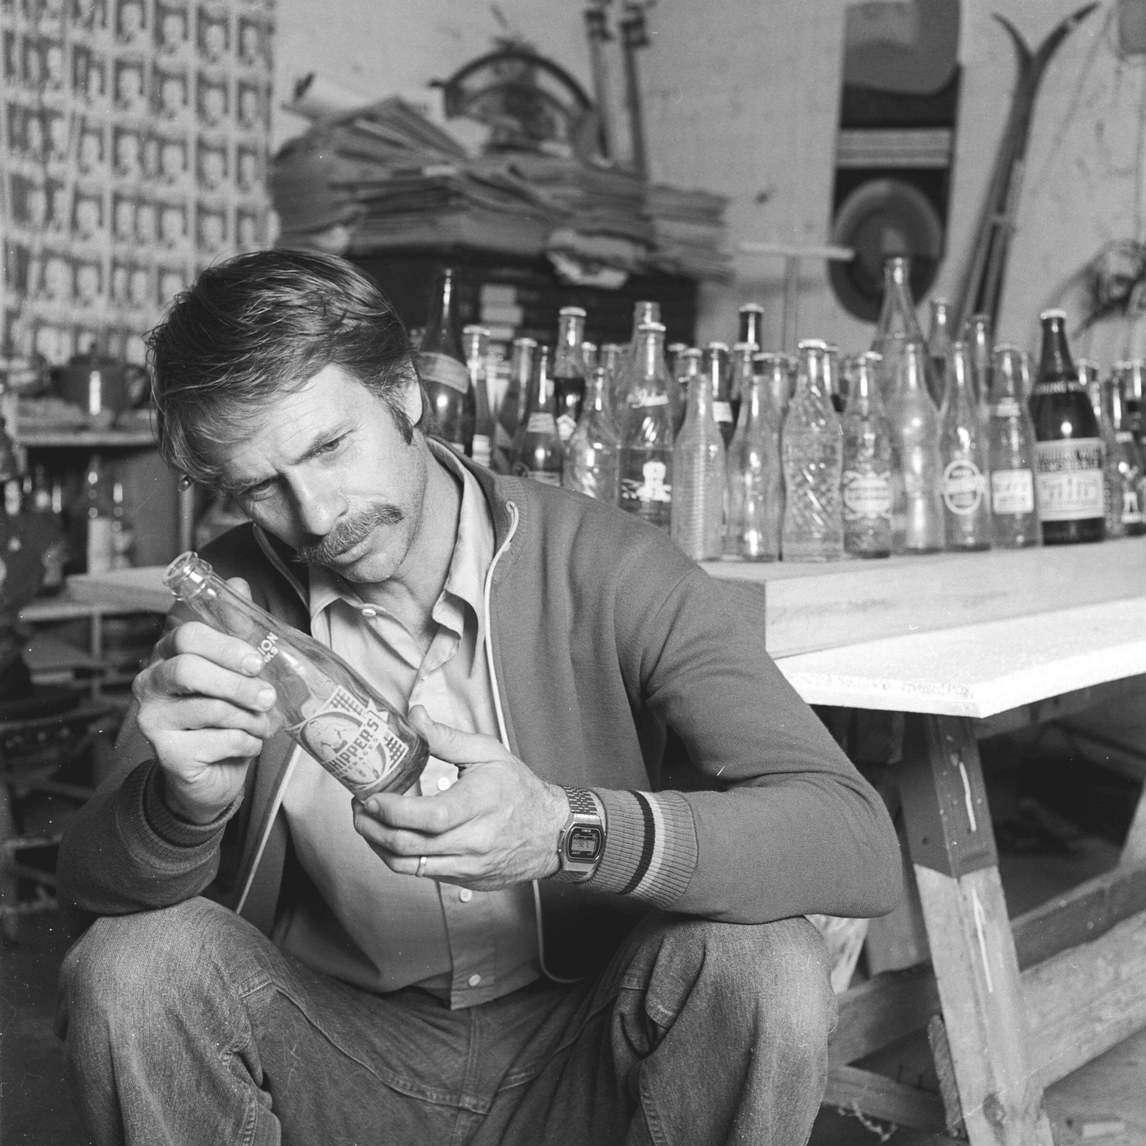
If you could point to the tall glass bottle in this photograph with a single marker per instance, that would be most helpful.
(779, 370)
(979, 338)
(644, 310)
(750, 324)
(812, 453)
(718, 372)
(1127, 471)
(592, 454)
(939, 339)
(755, 496)
(917, 516)
(963, 454)
(328, 709)
(689, 367)
(740, 378)
(897, 325)
(866, 484)
(1134, 394)
(538, 451)
(834, 377)
(611, 356)
(588, 355)
(647, 432)
(1069, 454)
(475, 343)
(442, 367)
(698, 467)
(512, 409)
(569, 369)
(1011, 453)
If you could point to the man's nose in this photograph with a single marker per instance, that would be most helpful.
(318, 505)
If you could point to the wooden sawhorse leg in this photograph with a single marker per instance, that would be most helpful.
(952, 848)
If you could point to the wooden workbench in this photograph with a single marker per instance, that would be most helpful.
(965, 646)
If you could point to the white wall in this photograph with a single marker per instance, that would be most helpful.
(741, 96)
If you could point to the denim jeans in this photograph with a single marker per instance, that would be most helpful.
(187, 1025)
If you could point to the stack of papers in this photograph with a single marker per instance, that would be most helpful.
(384, 176)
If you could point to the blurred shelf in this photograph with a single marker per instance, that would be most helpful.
(81, 439)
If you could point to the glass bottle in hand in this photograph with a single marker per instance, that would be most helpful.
(328, 709)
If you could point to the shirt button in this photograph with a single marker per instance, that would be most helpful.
(474, 980)
(465, 895)
(368, 611)
(444, 783)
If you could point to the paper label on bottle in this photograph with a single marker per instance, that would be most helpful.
(541, 423)
(651, 487)
(1131, 510)
(722, 411)
(1070, 479)
(865, 495)
(963, 486)
(444, 370)
(1007, 408)
(351, 740)
(1012, 491)
(482, 450)
(100, 545)
(566, 424)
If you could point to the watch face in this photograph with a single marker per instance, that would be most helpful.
(583, 843)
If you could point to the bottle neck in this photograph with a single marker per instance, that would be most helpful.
(1055, 363)
(651, 359)
(441, 333)
(570, 356)
(540, 395)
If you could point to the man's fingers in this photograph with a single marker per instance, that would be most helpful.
(454, 745)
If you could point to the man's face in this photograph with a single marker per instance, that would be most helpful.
(326, 470)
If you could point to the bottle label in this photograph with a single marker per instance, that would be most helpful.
(963, 486)
(1070, 479)
(1131, 510)
(866, 494)
(566, 424)
(482, 450)
(1012, 491)
(541, 423)
(644, 401)
(101, 545)
(444, 370)
(351, 740)
(722, 411)
(1007, 408)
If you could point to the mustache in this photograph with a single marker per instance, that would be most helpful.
(348, 533)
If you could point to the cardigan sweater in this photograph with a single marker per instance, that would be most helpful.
(619, 665)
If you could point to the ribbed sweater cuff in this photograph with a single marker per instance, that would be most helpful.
(167, 829)
(650, 845)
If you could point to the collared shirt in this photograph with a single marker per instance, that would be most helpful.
(355, 918)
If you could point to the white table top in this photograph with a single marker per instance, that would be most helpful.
(979, 670)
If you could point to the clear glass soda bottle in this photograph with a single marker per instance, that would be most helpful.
(538, 451)
(689, 367)
(979, 338)
(1127, 469)
(866, 483)
(592, 454)
(475, 344)
(963, 454)
(328, 709)
(740, 378)
(779, 370)
(812, 452)
(717, 366)
(1069, 454)
(442, 367)
(897, 325)
(698, 467)
(1011, 454)
(647, 432)
(834, 378)
(569, 370)
(917, 515)
(939, 339)
(755, 497)
(611, 357)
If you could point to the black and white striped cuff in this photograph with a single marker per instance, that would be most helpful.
(650, 850)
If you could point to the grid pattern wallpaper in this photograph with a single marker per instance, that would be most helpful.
(135, 139)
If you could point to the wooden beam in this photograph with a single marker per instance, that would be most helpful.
(875, 1096)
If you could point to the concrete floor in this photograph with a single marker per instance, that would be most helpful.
(1039, 855)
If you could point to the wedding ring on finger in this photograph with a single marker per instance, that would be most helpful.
(421, 866)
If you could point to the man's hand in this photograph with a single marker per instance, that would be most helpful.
(206, 713)
(496, 827)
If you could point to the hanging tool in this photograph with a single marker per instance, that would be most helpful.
(599, 34)
(634, 35)
(981, 289)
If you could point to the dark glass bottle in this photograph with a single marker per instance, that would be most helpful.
(718, 373)
(537, 450)
(1069, 454)
(1127, 468)
(569, 371)
(442, 368)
